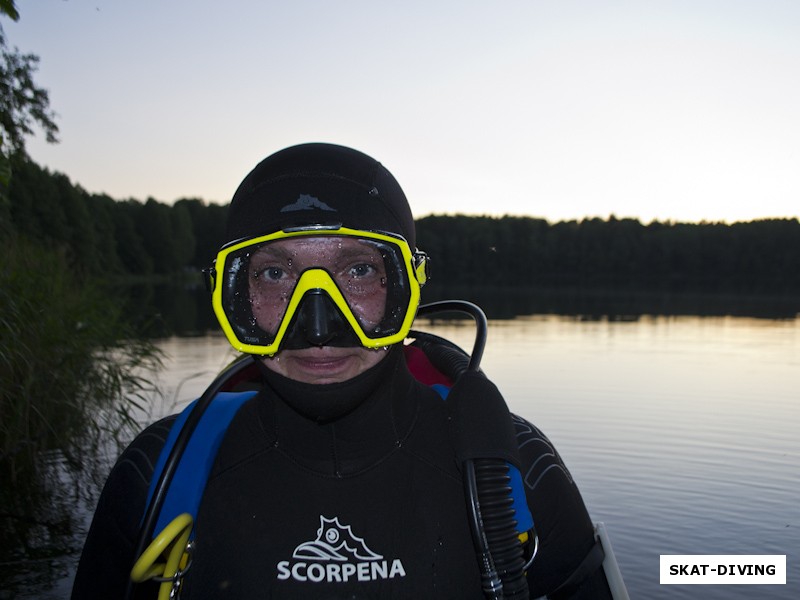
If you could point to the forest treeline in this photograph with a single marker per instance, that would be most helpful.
(100, 235)
(756, 257)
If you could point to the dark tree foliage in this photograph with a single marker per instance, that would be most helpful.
(23, 104)
(8, 7)
(102, 236)
(130, 246)
(103, 211)
(758, 257)
(154, 226)
(97, 235)
(208, 226)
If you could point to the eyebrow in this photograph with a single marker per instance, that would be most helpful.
(271, 252)
(281, 251)
(360, 251)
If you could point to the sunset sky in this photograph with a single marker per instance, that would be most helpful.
(681, 110)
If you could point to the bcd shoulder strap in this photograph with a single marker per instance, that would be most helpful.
(187, 486)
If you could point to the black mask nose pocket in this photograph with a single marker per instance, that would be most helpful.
(319, 322)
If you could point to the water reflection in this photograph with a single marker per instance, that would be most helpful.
(44, 518)
(43, 525)
(681, 433)
(614, 304)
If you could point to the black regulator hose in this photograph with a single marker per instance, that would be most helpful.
(487, 486)
(493, 485)
(171, 465)
(464, 307)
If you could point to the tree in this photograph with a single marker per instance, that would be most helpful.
(182, 235)
(23, 104)
(154, 227)
(7, 7)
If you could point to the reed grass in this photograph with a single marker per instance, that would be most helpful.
(74, 382)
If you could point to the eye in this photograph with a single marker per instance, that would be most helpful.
(361, 270)
(269, 274)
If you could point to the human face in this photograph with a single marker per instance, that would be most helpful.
(358, 270)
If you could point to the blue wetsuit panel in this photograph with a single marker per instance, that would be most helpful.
(187, 486)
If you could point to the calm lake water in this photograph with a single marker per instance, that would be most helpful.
(681, 432)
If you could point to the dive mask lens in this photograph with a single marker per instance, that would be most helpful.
(369, 277)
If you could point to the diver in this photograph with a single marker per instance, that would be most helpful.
(344, 459)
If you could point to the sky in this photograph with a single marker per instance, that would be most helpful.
(560, 109)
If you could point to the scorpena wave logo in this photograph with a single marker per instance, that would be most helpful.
(337, 555)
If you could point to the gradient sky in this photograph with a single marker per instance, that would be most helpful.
(672, 109)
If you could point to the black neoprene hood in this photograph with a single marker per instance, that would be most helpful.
(319, 184)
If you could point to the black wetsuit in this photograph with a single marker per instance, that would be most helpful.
(369, 461)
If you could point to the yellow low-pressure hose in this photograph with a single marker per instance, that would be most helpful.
(169, 547)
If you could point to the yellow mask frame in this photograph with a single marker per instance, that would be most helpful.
(414, 266)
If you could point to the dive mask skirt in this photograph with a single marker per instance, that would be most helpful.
(260, 285)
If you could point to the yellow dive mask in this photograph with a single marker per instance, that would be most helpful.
(319, 285)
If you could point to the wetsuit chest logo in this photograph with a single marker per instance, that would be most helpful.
(337, 555)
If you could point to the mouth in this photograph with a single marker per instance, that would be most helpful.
(322, 363)
(320, 360)
(325, 364)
